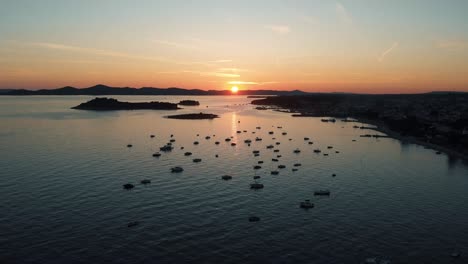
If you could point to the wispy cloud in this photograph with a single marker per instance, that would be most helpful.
(232, 70)
(251, 83)
(99, 52)
(387, 51)
(309, 20)
(203, 73)
(280, 29)
(175, 44)
(116, 54)
(221, 74)
(452, 44)
(343, 14)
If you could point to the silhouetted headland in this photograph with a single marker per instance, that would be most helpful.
(101, 89)
(193, 116)
(106, 104)
(189, 102)
(438, 120)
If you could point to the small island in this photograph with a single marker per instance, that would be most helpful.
(108, 104)
(189, 102)
(193, 116)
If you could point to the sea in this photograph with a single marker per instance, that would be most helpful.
(62, 200)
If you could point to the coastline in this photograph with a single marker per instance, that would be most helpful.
(381, 127)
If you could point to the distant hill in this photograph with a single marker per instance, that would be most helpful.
(4, 91)
(101, 89)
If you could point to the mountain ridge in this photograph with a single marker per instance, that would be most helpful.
(101, 89)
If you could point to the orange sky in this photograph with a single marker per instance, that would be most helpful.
(326, 47)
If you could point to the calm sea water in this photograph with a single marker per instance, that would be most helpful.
(62, 200)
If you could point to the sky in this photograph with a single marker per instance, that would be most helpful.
(362, 46)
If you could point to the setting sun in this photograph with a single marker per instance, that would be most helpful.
(234, 89)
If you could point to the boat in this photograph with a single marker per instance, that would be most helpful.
(297, 151)
(248, 141)
(260, 162)
(217, 142)
(233, 144)
(188, 153)
(157, 154)
(177, 169)
(257, 167)
(152, 136)
(274, 172)
(256, 186)
(310, 142)
(166, 148)
(270, 146)
(226, 177)
(172, 140)
(256, 151)
(145, 181)
(306, 138)
(128, 186)
(317, 151)
(197, 160)
(276, 150)
(330, 147)
(276, 160)
(322, 192)
(207, 137)
(227, 139)
(284, 133)
(254, 219)
(294, 169)
(297, 164)
(277, 143)
(258, 139)
(281, 166)
(196, 143)
(129, 145)
(306, 204)
(271, 132)
(256, 177)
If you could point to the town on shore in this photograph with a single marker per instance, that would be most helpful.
(438, 119)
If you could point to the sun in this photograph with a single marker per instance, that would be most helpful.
(234, 89)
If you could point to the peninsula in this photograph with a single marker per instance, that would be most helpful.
(106, 104)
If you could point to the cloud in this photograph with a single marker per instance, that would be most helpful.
(386, 52)
(110, 53)
(309, 20)
(280, 29)
(452, 44)
(221, 74)
(251, 83)
(99, 52)
(201, 73)
(174, 44)
(232, 70)
(343, 14)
